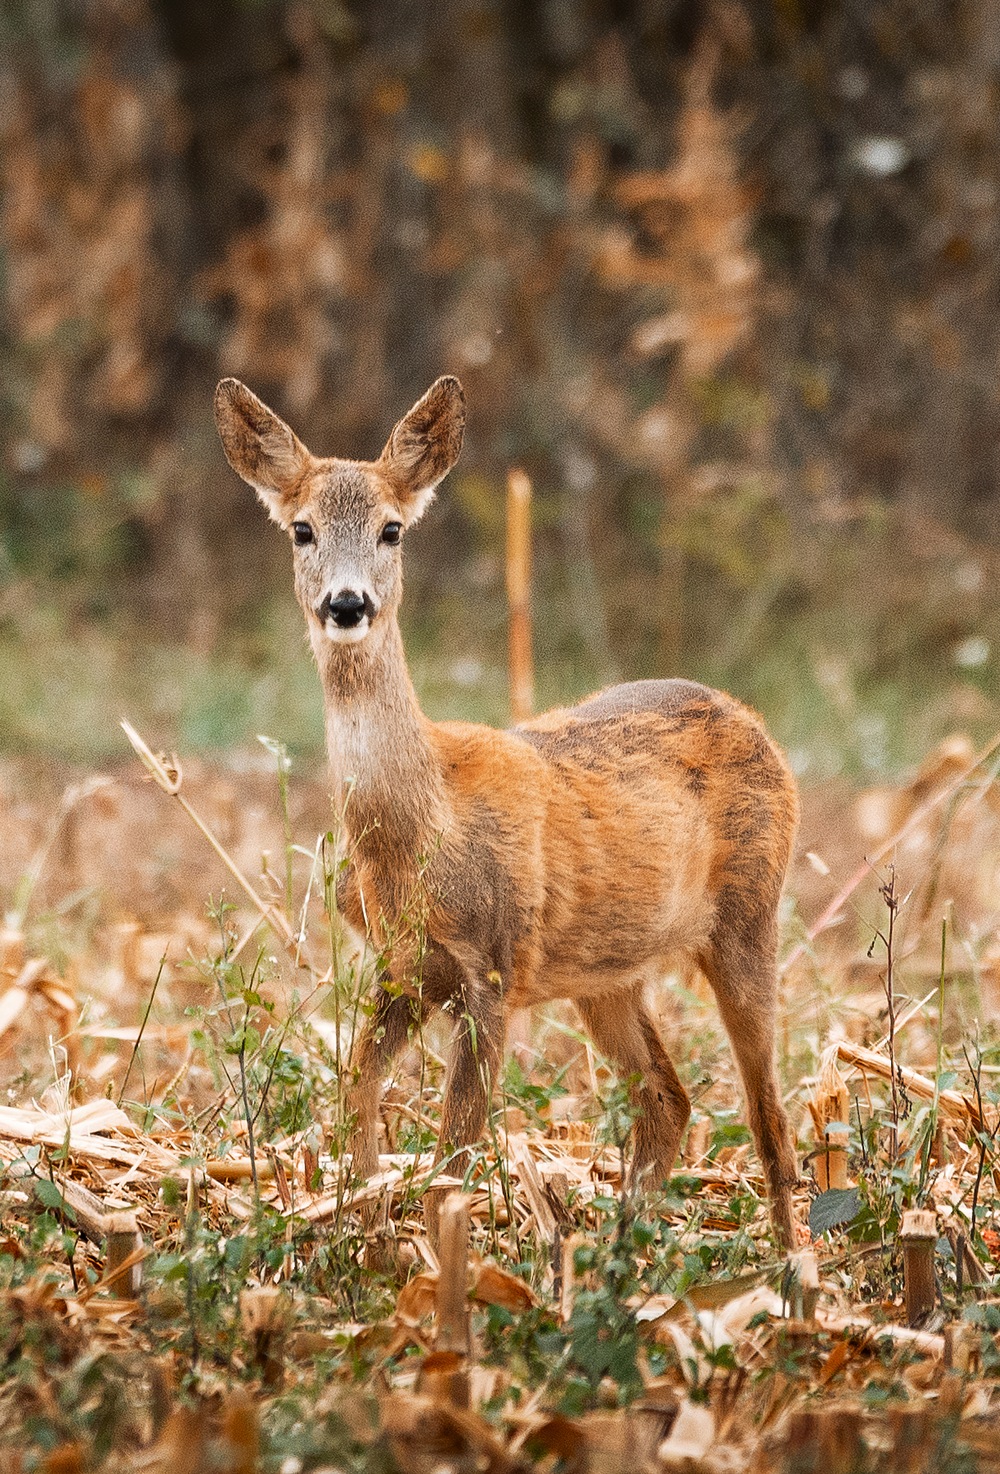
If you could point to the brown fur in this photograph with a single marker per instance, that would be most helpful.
(574, 856)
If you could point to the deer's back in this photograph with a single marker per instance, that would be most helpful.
(603, 838)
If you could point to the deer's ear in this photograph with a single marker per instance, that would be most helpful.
(424, 446)
(261, 448)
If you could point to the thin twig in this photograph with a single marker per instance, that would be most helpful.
(981, 1133)
(887, 890)
(169, 778)
(142, 1026)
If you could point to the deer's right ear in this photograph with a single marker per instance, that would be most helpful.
(261, 448)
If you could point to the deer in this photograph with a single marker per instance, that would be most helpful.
(574, 856)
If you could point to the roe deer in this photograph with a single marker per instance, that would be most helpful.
(571, 857)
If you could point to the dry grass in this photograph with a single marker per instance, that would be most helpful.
(184, 1271)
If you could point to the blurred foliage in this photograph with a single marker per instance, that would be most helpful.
(715, 275)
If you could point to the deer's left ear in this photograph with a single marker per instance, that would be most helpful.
(424, 446)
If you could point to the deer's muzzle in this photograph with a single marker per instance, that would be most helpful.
(347, 610)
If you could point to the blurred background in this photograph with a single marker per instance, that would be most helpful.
(721, 277)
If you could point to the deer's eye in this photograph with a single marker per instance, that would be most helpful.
(302, 533)
(392, 532)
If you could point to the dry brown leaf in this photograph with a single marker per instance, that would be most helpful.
(240, 1433)
(424, 1434)
(417, 1298)
(558, 1435)
(65, 1460)
(180, 1446)
(835, 1359)
(494, 1286)
(690, 1438)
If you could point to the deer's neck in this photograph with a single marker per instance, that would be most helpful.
(386, 780)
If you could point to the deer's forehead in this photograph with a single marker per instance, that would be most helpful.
(348, 490)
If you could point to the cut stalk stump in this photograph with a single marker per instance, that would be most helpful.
(918, 1236)
(122, 1273)
(453, 1300)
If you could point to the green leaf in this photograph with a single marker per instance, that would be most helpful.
(51, 1196)
(643, 1234)
(836, 1206)
(987, 1316)
(867, 1228)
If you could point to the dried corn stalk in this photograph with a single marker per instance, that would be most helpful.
(830, 1105)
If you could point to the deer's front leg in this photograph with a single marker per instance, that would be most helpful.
(476, 1055)
(477, 1051)
(382, 1038)
(473, 1067)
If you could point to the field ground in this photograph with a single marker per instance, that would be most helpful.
(171, 1101)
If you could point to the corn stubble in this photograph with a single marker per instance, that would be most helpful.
(249, 1317)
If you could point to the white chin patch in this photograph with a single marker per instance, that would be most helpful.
(352, 636)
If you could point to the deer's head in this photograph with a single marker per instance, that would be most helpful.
(346, 519)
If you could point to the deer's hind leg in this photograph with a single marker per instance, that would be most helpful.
(741, 967)
(622, 1028)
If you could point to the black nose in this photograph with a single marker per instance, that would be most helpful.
(347, 610)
